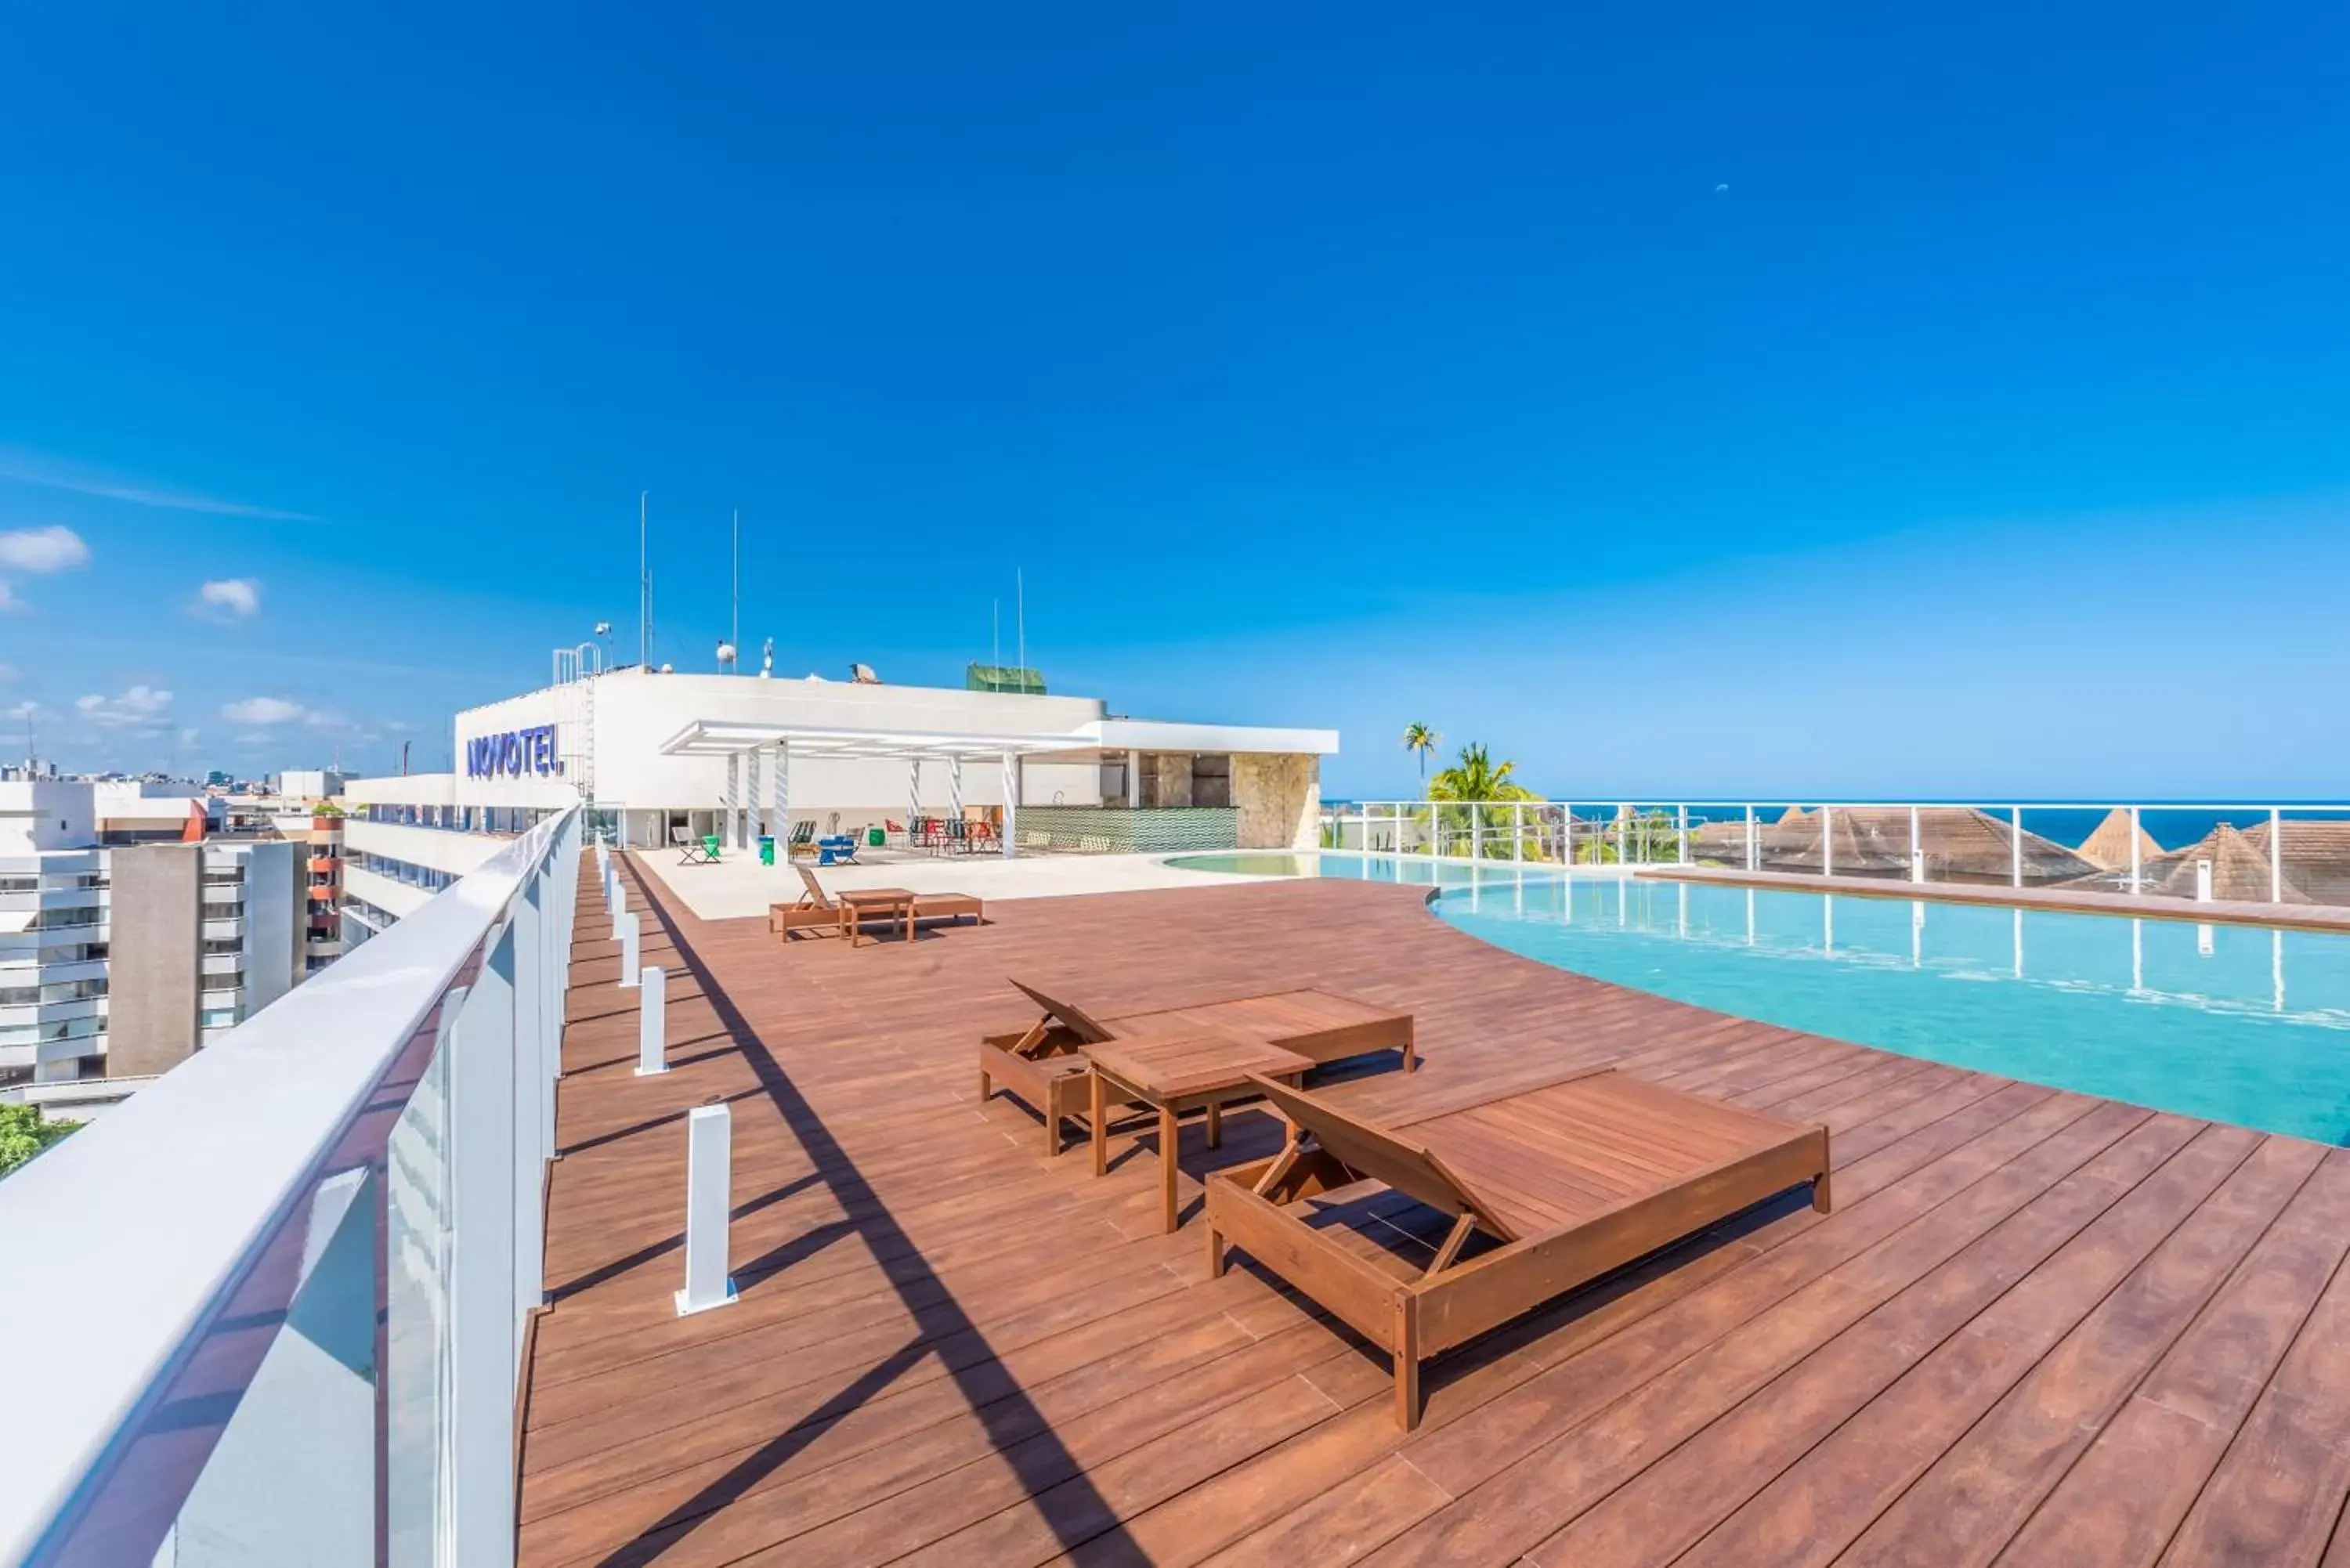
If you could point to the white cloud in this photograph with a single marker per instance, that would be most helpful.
(8, 673)
(228, 599)
(9, 603)
(264, 711)
(51, 549)
(189, 737)
(20, 711)
(140, 706)
(319, 719)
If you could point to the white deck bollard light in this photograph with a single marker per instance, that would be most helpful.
(652, 1020)
(628, 940)
(2202, 881)
(709, 1179)
(619, 910)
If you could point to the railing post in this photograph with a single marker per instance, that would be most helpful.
(2134, 867)
(708, 1183)
(652, 1021)
(525, 1064)
(619, 911)
(1517, 830)
(1623, 833)
(1916, 852)
(1827, 842)
(1680, 827)
(2276, 855)
(2015, 845)
(1476, 831)
(628, 959)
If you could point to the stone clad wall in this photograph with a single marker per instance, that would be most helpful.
(1278, 797)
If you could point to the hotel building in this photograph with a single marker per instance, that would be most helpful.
(662, 758)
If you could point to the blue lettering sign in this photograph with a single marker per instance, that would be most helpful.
(513, 755)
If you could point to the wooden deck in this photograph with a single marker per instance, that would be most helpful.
(2038, 1325)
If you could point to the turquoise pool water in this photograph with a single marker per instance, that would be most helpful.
(2232, 1023)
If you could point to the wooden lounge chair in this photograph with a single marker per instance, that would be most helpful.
(1045, 1064)
(1564, 1182)
(819, 911)
(949, 906)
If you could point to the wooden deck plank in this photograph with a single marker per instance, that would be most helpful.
(949, 1348)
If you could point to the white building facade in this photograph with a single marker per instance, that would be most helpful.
(663, 758)
(119, 960)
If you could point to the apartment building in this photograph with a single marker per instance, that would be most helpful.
(118, 960)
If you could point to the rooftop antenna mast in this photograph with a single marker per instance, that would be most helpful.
(644, 587)
(1020, 618)
(734, 611)
(995, 635)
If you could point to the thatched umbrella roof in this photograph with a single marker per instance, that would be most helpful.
(1962, 844)
(2239, 869)
(1792, 815)
(2109, 846)
(2316, 865)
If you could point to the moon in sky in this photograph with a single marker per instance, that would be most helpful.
(1718, 190)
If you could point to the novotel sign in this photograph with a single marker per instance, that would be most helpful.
(514, 754)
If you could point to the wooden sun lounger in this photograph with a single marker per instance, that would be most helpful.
(1045, 1064)
(819, 911)
(1564, 1182)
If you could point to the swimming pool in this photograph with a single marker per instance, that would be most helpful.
(2234, 1022)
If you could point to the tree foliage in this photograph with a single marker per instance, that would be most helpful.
(1421, 739)
(1476, 776)
(23, 1134)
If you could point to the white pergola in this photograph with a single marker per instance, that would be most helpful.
(745, 744)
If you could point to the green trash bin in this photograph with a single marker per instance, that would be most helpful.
(876, 837)
(766, 849)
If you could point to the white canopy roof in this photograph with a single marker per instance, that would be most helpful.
(718, 738)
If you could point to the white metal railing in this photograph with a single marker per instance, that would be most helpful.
(271, 1309)
(2267, 853)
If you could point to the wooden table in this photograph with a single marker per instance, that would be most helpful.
(859, 902)
(1176, 1072)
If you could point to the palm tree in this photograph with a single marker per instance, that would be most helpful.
(1422, 739)
(1476, 776)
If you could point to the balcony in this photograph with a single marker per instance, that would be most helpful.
(209, 1375)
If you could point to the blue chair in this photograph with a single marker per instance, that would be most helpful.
(840, 849)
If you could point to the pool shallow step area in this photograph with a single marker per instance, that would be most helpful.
(2037, 1319)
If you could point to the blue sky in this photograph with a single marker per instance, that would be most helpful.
(1752, 401)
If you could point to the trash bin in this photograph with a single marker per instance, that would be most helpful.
(874, 837)
(766, 849)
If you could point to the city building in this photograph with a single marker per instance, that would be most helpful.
(121, 958)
